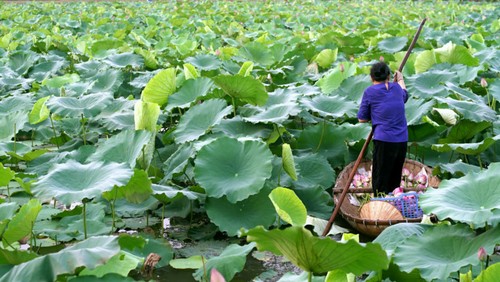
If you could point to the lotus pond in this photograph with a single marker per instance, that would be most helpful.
(199, 140)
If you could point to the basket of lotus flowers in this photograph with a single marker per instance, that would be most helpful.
(371, 214)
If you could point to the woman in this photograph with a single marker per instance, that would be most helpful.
(383, 105)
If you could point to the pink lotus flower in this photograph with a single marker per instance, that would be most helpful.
(398, 191)
(481, 254)
(421, 179)
(405, 173)
(484, 83)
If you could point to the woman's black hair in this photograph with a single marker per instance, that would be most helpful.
(380, 71)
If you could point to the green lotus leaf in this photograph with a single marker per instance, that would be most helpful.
(118, 121)
(60, 81)
(178, 161)
(288, 206)
(124, 59)
(138, 188)
(288, 162)
(392, 44)
(353, 87)
(18, 147)
(331, 106)
(319, 255)
(424, 61)
(430, 252)
(21, 224)
(276, 114)
(244, 88)
(319, 225)
(40, 112)
(467, 148)
(167, 194)
(160, 87)
(457, 169)
(125, 147)
(6, 175)
(121, 264)
(416, 109)
(237, 127)
(396, 234)
(257, 53)
(103, 47)
(107, 81)
(246, 69)
(472, 199)
(237, 173)
(326, 57)
(192, 262)
(465, 73)
(333, 79)
(11, 123)
(231, 217)
(464, 131)
(314, 138)
(43, 70)
(231, 261)
(205, 62)
(473, 111)
(185, 47)
(21, 60)
(494, 89)
(314, 170)
(490, 274)
(191, 91)
(89, 253)
(318, 202)
(16, 103)
(89, 105)
(15, 257)
(455, 54)
(146, 116)
(71, 181)
(430, 84)
(199, 119)
(190, 71)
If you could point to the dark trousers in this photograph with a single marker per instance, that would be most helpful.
(388, 160)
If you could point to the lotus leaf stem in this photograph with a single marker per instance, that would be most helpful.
(322, 135)
(15, 137)
(84, 220)
(54, 131)
(84, 133)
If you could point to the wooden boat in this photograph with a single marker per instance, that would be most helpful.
(351, 213)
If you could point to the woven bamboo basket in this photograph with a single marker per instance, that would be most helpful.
(351, 213)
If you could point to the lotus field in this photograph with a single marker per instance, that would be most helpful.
(128, 129)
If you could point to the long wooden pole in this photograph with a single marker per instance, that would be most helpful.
(367, 142)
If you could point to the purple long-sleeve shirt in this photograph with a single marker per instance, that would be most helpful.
(386, 109)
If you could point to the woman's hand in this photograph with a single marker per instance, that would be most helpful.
(398, 76)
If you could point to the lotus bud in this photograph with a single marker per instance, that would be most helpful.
(421, 186)
(481, 254)
(422, 179)
(381, 58)
(410, 177)
(341, 68)
(484, 83)
(217, 52)
(405, 173)
(398, 191)
(358, 183)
